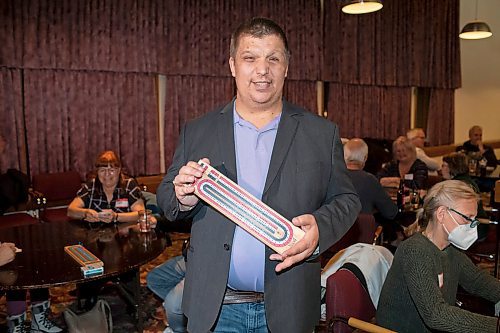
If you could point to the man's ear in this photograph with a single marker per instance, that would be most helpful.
(231, 66)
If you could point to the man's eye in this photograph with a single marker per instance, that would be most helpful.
(274, 59)
(249, 58)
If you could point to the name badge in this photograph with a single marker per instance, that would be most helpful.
(409, 176)
(441, 280)
(121, 203)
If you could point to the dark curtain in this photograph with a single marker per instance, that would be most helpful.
(12, 120)
(177, 37)
(72, 116)
(75, 54)
(189, 97)
(369, 111)
(441, 126)
(301, 93)
(407, 43)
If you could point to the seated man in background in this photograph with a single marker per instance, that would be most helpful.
(417, 137)
(372, 195)
(475, 145)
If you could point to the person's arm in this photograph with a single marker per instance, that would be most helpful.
(382, 200)
(332, 220)
(420, 173)
(422, 284)
(478, 281)
(77, 211)
(431, 163)
(489, 155)
(167, 193)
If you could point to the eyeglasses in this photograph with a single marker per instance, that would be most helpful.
(473, 222)
(109, 171)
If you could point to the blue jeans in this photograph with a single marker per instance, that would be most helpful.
(167, 282)
(245, 317)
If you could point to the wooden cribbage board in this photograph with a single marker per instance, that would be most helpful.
(83, 256)
(241, 207)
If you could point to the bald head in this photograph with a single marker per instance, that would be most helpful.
(355, 153)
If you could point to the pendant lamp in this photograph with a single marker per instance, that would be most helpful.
(475, 29)
(361, 6)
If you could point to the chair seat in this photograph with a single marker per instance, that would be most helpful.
(16, 219)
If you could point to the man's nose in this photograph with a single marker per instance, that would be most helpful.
(262, 67)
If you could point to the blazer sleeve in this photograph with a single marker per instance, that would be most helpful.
(341, 206)
(165, 194)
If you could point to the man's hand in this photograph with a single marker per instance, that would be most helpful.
(183, 184)
(480, 145)
(303, 248)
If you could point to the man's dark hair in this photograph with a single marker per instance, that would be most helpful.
(258, 27)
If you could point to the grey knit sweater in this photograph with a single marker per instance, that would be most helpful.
(412, 300)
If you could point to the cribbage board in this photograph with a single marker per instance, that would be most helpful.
(245, 210)
(83, 256)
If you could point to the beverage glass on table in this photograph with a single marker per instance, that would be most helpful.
(472, 166)
(144, 220)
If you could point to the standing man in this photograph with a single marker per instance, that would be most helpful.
(475, 145)
(417, 137)
(289, 158)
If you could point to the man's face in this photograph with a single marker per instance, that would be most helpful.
(476, 136)
(419, 139)
(259, 67)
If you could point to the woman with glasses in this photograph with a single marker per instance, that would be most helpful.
(420, 290)
(108, 197)
(456, 166)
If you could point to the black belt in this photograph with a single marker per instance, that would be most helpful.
(237, 297)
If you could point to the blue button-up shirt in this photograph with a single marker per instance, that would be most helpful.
(254, 147)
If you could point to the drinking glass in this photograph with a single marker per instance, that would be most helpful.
(144, 220)
(472, 166)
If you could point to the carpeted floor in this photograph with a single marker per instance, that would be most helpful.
(61, 298)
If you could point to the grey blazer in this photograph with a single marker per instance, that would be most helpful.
(307, 175)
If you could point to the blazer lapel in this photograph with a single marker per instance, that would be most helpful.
(286, 132)
(226, 142)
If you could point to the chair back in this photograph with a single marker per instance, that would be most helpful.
(362, 231)
(346, 297)
(59, 188)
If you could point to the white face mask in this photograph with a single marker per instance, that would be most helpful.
(462, 236)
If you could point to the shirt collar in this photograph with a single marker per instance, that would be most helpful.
(273, 124)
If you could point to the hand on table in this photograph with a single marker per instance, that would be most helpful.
(7, 253)
(183, 184)
(91, 215)
(107, 216)
(304, 248)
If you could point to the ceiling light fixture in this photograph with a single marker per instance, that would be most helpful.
(361, 6)
(475, 29)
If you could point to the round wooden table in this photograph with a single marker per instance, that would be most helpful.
(43, 262)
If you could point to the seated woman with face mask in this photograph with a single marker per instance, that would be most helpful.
(420, 290)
